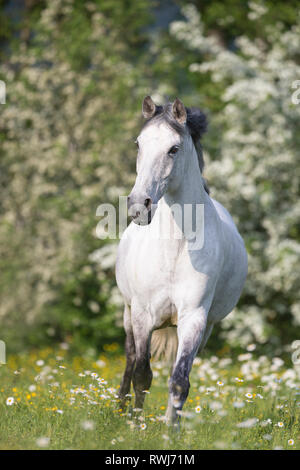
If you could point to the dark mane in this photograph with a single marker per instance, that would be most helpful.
(196, 124)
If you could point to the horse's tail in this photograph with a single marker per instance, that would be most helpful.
(164, 344)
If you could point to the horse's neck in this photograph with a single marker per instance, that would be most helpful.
(191, 189)
(190, 192)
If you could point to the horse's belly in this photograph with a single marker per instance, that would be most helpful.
(230, 282)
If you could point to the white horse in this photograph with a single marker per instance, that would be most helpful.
(170, 275)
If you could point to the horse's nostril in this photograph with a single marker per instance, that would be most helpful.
(148, 203)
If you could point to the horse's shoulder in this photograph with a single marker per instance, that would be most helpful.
(225, 216)
(222, 212)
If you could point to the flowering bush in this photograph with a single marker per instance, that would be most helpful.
(65, 149)
(74, 89)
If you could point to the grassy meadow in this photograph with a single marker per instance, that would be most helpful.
(50, 400)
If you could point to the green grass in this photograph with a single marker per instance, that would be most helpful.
(58, 404)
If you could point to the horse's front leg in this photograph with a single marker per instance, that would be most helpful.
(130, 358)
(142, 375)
(191, 333)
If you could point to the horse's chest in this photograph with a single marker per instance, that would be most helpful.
(153, 265)
(151, 273)
(161, 274)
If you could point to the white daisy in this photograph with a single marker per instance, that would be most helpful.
(43, 441)
(88, 425)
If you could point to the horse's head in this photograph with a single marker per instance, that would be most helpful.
(164, 140)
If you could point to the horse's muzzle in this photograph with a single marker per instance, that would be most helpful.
(140, 213)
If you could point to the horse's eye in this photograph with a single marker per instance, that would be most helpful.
(173, 150)
(137, 144)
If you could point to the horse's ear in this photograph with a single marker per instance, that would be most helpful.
(179, 111)
(148, 108)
